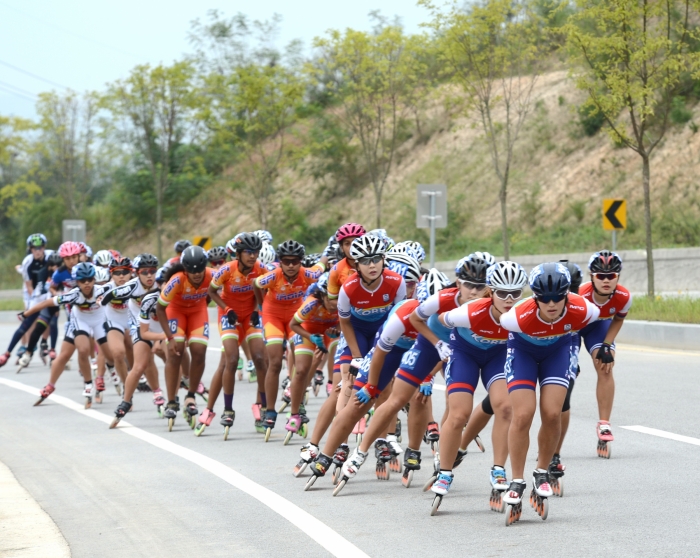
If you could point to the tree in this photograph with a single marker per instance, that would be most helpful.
(492, 52)
(631, 56)
(156, 108)
(376, 76)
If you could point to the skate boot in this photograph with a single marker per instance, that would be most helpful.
(318, 382)
(20, 353)
(286, 382)
(268, 422)
(114, 378)
(541, 490)
(143, 386)
(441, 487)
(52, 355)
(397, 428)
(4, 358)
(252, 372)
(203, 392)
(170, 413)
(432, 436)
(258, 413)
(87, 394)
(120, 413)
(339, 458)
(461, 454)
(329, 388)
(159, 401)
(359, 429)
(436, 471)
(239, 368)
(93, 365)
(303, 429)
(308, 453)
(227, 421)
(513, 498)
(24, 360)
(286, 400)
(411, 464)
(48, 390)
(382, 452)
(556, 472)
(605, 436)
(319, 468)
(190, 412)
(499, 484)
(349, 469)
(43, 350)
(99, 389)
(395, 449)
(292, 427)
(203, 421)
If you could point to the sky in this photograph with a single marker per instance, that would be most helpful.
(84, 44)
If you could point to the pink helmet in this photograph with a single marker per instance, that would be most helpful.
(349, 230)
(69, 249)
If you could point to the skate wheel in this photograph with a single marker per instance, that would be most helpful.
(430, 483)
(98, 397)
(501, 505)
(335, 476)
(88, 402)
(268, 431)
(171, 423)
(394, 465)
(39, 402)
(306, 397)
(511, 515)
(315, 391)
(226, 431)
(159, 410)
(436, 504)
(407, 478)
(560, 484)
(118, 387)
(340, 486)
(479, 444)
(199, 429)
(114, 423)
(304, 431)
(435, 447)
(544, 508)
(300, 468)
(283, 407)
(288, 437)
(310, 482)
(358, 439)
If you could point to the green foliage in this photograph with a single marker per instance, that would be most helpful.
(293, 223)
(680, 114)
(590, 119)
(680, 309)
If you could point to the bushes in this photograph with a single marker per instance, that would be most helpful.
(590, 119)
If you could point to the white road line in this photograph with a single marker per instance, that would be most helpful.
(315, 529)
(664, 434)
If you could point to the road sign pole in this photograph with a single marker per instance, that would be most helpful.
(614, 243)
(432, 229)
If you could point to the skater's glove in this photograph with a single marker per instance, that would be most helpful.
(317, 339)
(333, 332)
(21, 317)
(426, 389)
(604, 354)
(443, 350)
(255, 319)
(232, 317)
(366, 394)
(355, 365)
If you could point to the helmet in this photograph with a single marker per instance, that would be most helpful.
(550, 279)
(194, 259)
(431, 283)
(145, 260)
(291, 248)
(120, 263)
(36, 240)
(488, 258)
(605, 261)
(473, 268)
(102, 258)
(322, 283)
(115, 253)
(84, 270)
(405, 265)
(101, 274)
(410, 248)
(54, 259)
(418, 249)
(349, 230)
(85, 249)
(267, 254)
(367, 246)
(507, 275)
(247, 241)
(217, 253)
(160, 274)
(381, 233)
(68, 249)
(311, 260)
(576, 274)
(180, 246)
(265, 236)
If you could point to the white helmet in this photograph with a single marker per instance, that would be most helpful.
(102, 273)
(431, 283)
(413, 249)
(367, 246)
(265, 236)
(488, 258)
(508, 276)
(267, 254)
(103, 258)
(405, 265)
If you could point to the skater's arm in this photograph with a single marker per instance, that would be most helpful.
(422, 327)
(40, 306)
(376, 365)
(214, 295)
(163, 321)
(350, 339)
(296, 328)
(148, 335)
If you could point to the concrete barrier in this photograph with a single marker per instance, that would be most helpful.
(664, 335)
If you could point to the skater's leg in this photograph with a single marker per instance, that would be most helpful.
(151, 371)
(198, 353)
(343, 424)
(418, 417)
(272, 376)
(326, 412)
(384, 414)
(480, 417)
(172, 367)
(565, 416)
(59, 365)
(503, 412)
(300, 380)
(605, 390)
(83, 345)
(142, 360)
(524, 404)
(451, 433)
(216, 382)
(551, 401)
(117, 350)
(257, 351)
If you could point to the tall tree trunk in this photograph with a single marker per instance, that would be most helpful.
(159, 219)
(502, 196)
(378, 197)
(647, 224)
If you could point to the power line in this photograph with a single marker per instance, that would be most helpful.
(23, 91)
(3, 88)
(32, 75)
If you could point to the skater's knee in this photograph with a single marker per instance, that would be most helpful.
(521, 419)
(503, 409)
(551, 417)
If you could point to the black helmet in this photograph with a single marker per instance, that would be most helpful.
(54, 259)
(145, 260)
(248, 241)
(180, 246)
(550, 279)
(120, 263)
(311, 260)
(576, 275)
(194, 259)
(291, 248)
(473, 268)
(217, 253)
(605, 262)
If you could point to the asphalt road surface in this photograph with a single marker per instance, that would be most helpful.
(142, 491)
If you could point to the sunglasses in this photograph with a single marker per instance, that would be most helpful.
(504, 295)
(147, 271)
(294, 261)
(121, 272)
(88, 280)
(606, 276)
(473, 286)
(548, 299)
(251, 252)
(218, 263)
(370, 260)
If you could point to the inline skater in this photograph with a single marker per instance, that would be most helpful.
(178, 248)
(539, 350)
(182, 314)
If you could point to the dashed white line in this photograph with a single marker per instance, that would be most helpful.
(318, 531)
(663, 434)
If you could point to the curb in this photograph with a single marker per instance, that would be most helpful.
(665, 335)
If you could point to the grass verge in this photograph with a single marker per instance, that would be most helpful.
(11, 304)
(681, 309)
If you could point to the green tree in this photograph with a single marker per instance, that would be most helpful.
(154, 110)
(492, 51)
(630, 56)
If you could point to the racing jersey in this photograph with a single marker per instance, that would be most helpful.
(79, 301)
(283, 295)
(398, 331)
(147, 312)
(129, 294)
(476, 325)
(36, 271)
(439, 303)
(314, 312)
(525, 322)
(339, 273)
(62, 279)
(618, 305)
(184, 295)
(370, 306)
(236, 288)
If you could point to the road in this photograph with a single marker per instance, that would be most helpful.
(141, 491)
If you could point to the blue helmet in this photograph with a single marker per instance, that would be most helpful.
(84, 270)
(550, 280)
(160, 274)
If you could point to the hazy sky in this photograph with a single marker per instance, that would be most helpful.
(83, 44)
